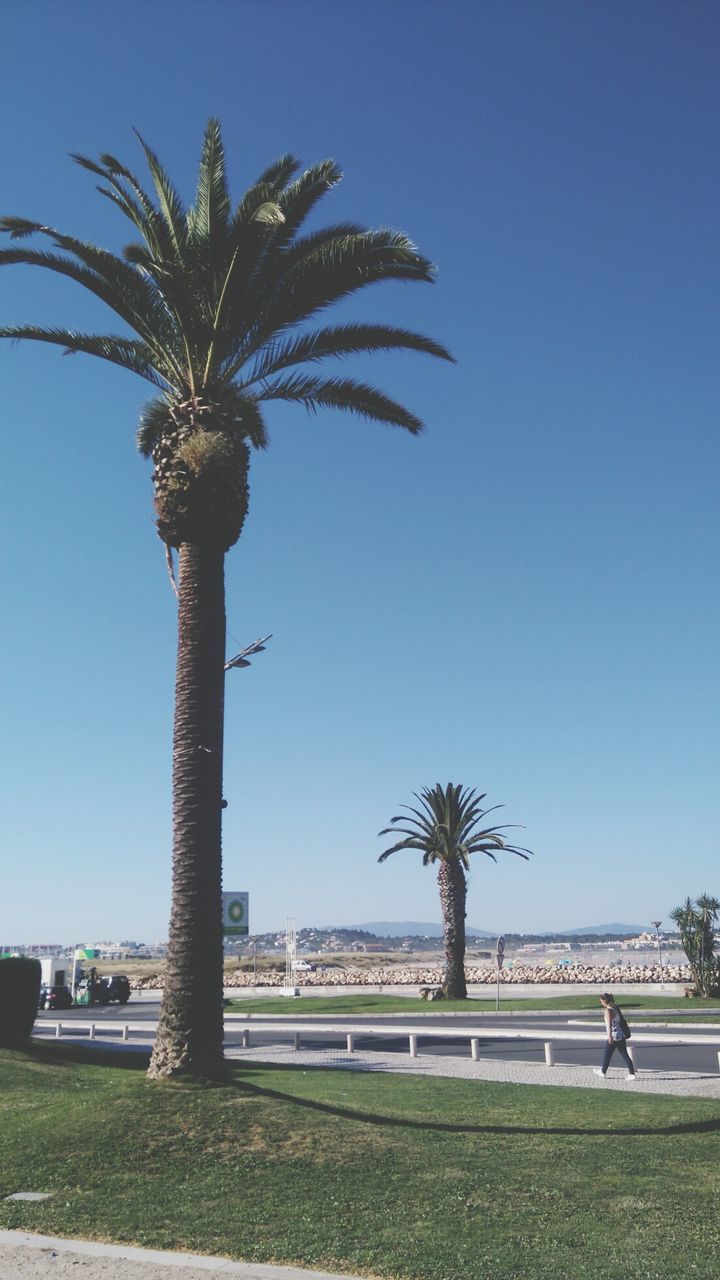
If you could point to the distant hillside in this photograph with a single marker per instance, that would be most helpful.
(630, 930)
(420, 929)
(409, 929)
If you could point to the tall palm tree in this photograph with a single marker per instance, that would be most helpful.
(446, 831)
(215, 300)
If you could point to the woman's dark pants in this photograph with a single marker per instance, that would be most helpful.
(621, 1047)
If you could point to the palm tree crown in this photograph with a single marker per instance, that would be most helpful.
(216, 299)
(446, 828)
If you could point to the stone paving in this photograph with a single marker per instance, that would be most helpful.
(680, 1083)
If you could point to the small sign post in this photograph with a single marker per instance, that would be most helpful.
(500, 961)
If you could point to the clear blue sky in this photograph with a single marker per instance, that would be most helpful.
(523, 600)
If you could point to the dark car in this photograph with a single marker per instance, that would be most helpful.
(55, 998)
(117, 989)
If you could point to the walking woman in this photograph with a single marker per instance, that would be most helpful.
(615, 1038)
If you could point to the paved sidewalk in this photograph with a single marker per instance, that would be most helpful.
(24, 1256)
(681, 1083)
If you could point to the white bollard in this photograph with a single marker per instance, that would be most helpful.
(297, 1039)
(631, 1053)
(246, 1039)
(58, 1030)
(91, 1033)
(350, 1042)
(475, 1050)
(125, 1031)
(549, 1054)
(718, 1061)
(413, 1046)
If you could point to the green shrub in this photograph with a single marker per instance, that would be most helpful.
(19, 991)
(696, 922)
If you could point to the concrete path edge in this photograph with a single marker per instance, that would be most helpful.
(131, 1253)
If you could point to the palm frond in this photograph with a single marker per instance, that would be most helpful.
(402, 844)
(268, 214)
(145, 307)
(253, 425)
(269, 186)
(134, 356)
(315, 276)
(382, 251)
(247, 417)
(124, 291)
(171, 206)
(280, 172)
(341, 393)
(209, 214)
(155, 419)
(342, 340)
(132, 199)
(252, 281)
(19, 228)
(300, 198)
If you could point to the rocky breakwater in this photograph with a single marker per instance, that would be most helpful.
(605, 976)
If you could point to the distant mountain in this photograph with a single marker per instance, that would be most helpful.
(628, 929)
(419, 929)
(410, 929)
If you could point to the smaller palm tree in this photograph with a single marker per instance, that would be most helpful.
(446, 830)
(696, 922)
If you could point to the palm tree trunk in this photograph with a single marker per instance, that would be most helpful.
(453, 891)
(190, 1030)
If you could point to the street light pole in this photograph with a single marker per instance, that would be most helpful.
(656, 925)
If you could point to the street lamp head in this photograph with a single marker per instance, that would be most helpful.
(241, 658)
(656, 923)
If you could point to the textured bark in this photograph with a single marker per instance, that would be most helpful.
(200, 477)
(190, 1030)
(453, 892)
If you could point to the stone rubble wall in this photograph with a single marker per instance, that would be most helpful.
(561, 975)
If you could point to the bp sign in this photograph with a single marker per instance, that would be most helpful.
(235, 914)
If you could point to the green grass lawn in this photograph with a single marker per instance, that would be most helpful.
(351, 1004)
(413, 1177)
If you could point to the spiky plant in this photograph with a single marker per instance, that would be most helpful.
(447, 830)
(696, 922)
(215, 300)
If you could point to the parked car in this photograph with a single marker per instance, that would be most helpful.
(55, 998)
(117, 989)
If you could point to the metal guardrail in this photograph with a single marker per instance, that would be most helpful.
(296, 1029)
(467, 1034)
(68, 1028)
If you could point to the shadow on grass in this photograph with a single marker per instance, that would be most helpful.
(439, 1126)
(137, 1060)
(88, 1055)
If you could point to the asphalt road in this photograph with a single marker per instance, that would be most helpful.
(702, 1059)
